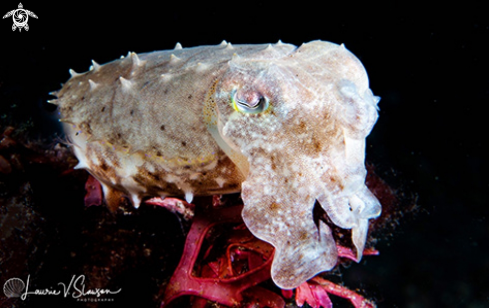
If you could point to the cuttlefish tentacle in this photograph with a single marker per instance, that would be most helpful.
(353, 213)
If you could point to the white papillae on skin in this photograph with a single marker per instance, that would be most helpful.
(164, 124)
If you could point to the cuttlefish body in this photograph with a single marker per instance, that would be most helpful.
(284, 125)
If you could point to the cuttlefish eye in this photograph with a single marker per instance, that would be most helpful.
(250, 102)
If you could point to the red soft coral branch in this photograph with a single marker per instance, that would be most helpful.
(344, 252)
(313, 294)
(227, 291)
(356, 299)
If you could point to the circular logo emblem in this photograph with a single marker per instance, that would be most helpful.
(20, 18)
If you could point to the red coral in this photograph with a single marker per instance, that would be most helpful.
(313, 294)
(357, 300)
(225, 279)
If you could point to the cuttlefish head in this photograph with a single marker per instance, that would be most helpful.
(296, 126)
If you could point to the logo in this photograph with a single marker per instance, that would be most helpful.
(76, 289)
(13, 287)
(20, 17)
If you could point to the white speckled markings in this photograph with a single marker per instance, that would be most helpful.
(285, 124)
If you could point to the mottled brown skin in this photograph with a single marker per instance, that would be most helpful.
(285, 125)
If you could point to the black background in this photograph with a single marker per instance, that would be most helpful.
(428, 64)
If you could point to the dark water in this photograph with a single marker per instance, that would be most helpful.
(430, 143)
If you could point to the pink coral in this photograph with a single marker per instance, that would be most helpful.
(225, 279)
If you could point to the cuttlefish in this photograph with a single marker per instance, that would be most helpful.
(284, 125)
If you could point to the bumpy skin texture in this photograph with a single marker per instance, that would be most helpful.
(285, 125)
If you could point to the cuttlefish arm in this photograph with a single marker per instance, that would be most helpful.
(296, 126)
